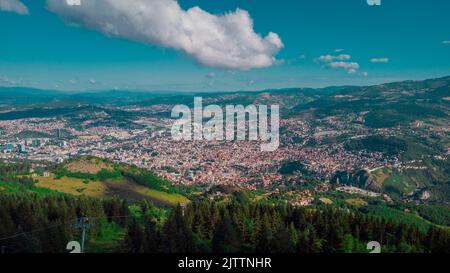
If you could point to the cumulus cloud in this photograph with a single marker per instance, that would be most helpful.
(341, 61)
(331, 58)
(223, 41)
(446, 42)
(379, 60)
(350, 67)
(13, 6)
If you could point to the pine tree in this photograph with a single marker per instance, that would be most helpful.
(225, 238)
(293, 235)
(348, 244)
(177, 235)
(265, 237)
(134, 241)
(282, 241)
(152, 239)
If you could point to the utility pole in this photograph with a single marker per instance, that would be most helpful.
(83, 224)
(183, 208)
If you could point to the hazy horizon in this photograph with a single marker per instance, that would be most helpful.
(214, 91)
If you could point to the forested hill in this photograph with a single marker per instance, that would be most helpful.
(386, 105)
(30, 223)
(36, 219)
(94, 177)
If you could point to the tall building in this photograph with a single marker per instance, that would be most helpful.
(22, 148)
(59, 133)
(36, 143)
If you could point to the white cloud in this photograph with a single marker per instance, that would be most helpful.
(224, 41)
(331, 58)
(7, 81)
(379, 60)
(13, 6)
(350, 67)
(341, 61)
(446, 42)
(210, 75)
(338, 50)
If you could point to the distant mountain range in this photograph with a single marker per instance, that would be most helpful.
(385, 105)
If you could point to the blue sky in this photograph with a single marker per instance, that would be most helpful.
(359, 44)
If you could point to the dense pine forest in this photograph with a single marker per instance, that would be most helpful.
(32, 223)
(33, 219)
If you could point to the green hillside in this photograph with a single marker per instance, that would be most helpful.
(101, 178)
(387, 105)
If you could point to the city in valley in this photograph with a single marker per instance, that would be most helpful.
(314, 151)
